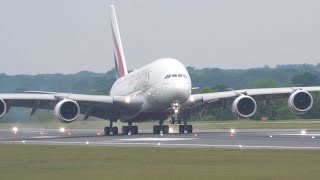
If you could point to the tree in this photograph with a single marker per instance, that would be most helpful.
(306, 79)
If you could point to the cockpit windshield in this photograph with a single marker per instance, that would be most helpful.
(175, 76)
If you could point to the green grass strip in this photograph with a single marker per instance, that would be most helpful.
(85, 162)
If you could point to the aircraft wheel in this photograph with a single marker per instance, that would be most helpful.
(107, 131)
(115, 130)
(124, 130)
(165, 129)
(156, 129)
(189, 128)
(181, 129)
(134, 129)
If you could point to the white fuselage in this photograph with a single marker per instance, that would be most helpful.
(158, 84)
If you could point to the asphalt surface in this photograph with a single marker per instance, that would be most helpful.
(241, 138)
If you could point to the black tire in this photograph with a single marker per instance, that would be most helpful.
(115, 130)
(181, 129)
(165, 129)
(156, 129)
(189, 128)
(124, 130)
(107, 131)
(134, 129)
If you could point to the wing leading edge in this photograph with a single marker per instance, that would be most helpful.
(90, 105)
(299, 102)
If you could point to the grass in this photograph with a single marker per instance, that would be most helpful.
(247, 124)
(81, 162)
(239, 124)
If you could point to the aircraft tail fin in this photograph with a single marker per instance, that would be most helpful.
(120, 62)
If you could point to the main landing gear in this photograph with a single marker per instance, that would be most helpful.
(161, 129)
(111, 130)
(129, 129)
(185, 115)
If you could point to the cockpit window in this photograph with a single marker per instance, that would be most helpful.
(175, 75)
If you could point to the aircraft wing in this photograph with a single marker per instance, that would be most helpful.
(220, 98)
(90, 105)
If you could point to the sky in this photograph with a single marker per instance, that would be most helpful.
(68, 36)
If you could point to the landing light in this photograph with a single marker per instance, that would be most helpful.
(303, 132)
(127, 100)
(232, 131)
(62, 130)
(176, 111)
(15, 130)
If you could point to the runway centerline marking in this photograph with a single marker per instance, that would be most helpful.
(44, 137)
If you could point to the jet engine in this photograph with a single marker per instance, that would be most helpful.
(3, 108)
(244, 107)
(67, 111)
(300, 102)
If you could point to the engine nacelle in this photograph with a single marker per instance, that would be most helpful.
(244, 107)
(300, 102)
(67, 111)
(3, 108)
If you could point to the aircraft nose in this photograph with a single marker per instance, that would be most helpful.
(176, 92)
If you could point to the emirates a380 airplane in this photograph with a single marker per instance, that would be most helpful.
(157, 91)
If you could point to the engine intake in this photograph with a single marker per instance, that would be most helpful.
(3, 108)
(244, 107)
(67, 111)
(300, 102)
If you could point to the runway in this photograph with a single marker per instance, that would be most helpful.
(221, 138)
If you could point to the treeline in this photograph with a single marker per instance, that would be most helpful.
(207, 79)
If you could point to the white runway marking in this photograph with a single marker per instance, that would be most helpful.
(162, 145)
(44, 137)
(308, 134)
(157, 139)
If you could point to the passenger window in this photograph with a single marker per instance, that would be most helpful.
(174, 75)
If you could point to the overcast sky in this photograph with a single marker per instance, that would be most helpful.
(68, 36)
